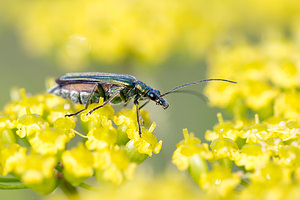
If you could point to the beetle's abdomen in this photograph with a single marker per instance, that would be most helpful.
(80, 92)
(77, 93)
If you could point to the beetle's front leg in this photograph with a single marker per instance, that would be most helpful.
(136, 103)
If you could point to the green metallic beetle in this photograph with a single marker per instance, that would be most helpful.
(86, 88)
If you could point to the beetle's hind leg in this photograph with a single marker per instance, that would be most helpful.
(88, 102)
(106, 102)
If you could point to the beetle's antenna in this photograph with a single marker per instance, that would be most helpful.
(193, 83)
(192, 92)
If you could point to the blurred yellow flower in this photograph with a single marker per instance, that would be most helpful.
(11, 157)
(267, 75)
(144, 31)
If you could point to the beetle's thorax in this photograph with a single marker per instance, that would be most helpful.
(150, 93)
(142, 88)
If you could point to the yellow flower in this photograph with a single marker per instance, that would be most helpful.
(36, 171)
(101, 137)
(223, 129)
(262, 72)
(56, 107)
(256, 133)
(30, 124)
(48, 141)
(188, 148)
(7, 136)
(224, 148)
(146, 143)
(287, 106)
(190, 154)
(65, 125)
(77, 164)
(6, 122)
(100, 117)
(219, 182)
(113, 165)
(289, 156)
(11, 157)
(271, 173)
(126, 117)
(46, 132)
(252, 156)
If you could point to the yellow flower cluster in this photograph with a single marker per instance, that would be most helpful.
(117, 31)
(34, 133)
(265, 155)
(267, 75)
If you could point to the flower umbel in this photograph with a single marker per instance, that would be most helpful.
(264, 153)
(35, 135)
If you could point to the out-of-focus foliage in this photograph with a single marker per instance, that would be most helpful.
(76, 32)
(34, 134)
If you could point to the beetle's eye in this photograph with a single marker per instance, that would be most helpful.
(151, 96)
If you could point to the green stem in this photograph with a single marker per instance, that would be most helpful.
(69, 190)
(12, 186)
(88, 187)
(9, 180)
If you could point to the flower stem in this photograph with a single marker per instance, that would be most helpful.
(69, 190)
(9, 180)
(88, 187)
(12, 186)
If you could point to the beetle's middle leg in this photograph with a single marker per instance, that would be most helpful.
(87, 103)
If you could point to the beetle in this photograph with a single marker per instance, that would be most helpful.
(86, 88)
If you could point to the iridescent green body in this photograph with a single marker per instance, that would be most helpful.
(86, 88)
(78, 87)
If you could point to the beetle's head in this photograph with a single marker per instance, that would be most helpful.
(154, 95)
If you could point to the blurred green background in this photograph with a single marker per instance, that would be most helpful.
(164, 44)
